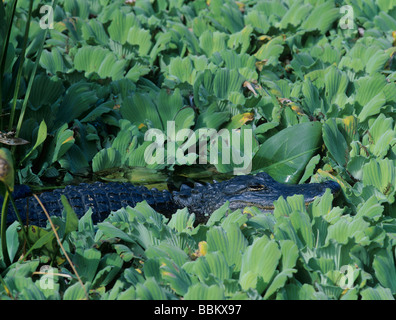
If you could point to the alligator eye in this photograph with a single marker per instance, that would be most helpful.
(256, 187)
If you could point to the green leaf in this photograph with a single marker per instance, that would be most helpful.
(121, 24)
(71, 217)
(226, 81)
(230, 242)
(94, 31)
(40, 237)
(298, 292)
(377, 293)
(176, 254)
(279, 282)
(201, 291)
(258, 20)
(212, 264)
(370, 208)
(178, 279)
(181, 220)
(369, 87)
(212, 42)
(169, 104)
(99, 60)
(296, 14)
(86, 262)
(78, 99)
(271, 51)
(109, 266)
(290, 254)
(111, 231)
(150, 290)
(336, 83)
(302, 225)
(385, 270)
(309, 170)
(335, 142)
(106, 159)
(373, 107)
(12, 240)
(382, 175)
(45, 91)
(75, 292)
(381, 136)
(183, 70)
(344, 229)
(41, 136)
(259, 263)
(141, 38)
(140, 109)
(321, 17)
(53, 61)
(285, 155)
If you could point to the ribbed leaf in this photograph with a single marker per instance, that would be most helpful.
(178, 279)
(212, 42)
(377, 293)
(259, 263)
(296, 14)
(335, 142)
(225, 82)
(258, 20)
(75, 292)
(87, 262)
(279, 282)
(181, 220)
(150, 290)
(373, 107)
(271, 51)
(53, 61)
(382, 175)
(120, 25)
(381, 136)
(94, 31)
(385, 270)
(230, 242)
(99, 60)
(139, 109)
(344, 229)
(142, 38)
(78, 99)
(302, 225)
(321, 17)
(45, 91)
(200, 291)
(106, 159)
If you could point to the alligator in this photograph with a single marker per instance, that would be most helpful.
(259, 190)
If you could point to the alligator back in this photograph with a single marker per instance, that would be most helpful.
(101, 197)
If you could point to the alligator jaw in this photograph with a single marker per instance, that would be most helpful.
(265, 201)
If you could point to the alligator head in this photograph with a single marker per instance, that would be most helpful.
(259, 190)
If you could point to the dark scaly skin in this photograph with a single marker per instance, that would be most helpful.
(241, 191)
